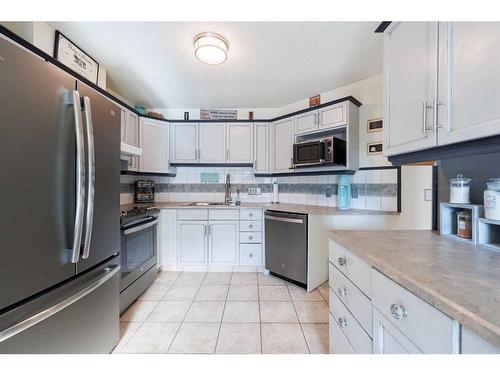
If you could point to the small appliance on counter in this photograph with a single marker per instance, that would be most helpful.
(144, 191)
(138, 252)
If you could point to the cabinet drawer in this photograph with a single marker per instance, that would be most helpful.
(351, 266)
(251, 226)
(250, 237)
(223, 214)
(250, 214)
(359, 339)
(424, 325)
(356, 302)
(338, 343)
(250, 255)
(192, 214)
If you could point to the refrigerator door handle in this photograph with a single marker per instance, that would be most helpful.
(80, 177)
(90, 177)
(47, 313)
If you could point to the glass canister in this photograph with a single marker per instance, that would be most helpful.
(460, 189)
(492, 200)
(464, 224)
(344, 192)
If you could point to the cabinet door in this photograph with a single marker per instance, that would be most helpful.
(154, 144)
(223, 242)
(333, 116)
(192, 242)
(261, 148)
(184, 145)
(387, 339)
(131, 129)
(469, 81)
(239, 142)
(212, 142)
(306, 122)
(123, 119)
(410, 72)
(283, 145)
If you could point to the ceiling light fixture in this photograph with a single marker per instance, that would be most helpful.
(210, 48)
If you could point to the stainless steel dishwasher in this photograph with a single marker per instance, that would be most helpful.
(286, 245)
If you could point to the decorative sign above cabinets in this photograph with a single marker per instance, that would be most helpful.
(218, 114)
(75, 58)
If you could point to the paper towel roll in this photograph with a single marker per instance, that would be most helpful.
(275, 192)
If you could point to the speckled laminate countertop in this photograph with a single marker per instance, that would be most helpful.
(460, 279)
(297, 208)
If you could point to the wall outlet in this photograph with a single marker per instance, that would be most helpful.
(328, 192)
(428, 195)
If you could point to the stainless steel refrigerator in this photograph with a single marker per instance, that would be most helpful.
(59, 209)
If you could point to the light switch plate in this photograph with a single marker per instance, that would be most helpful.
(428, 195)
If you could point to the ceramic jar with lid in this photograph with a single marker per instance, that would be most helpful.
(460, 189)
(492, 200)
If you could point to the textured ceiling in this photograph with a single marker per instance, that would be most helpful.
(269, 64)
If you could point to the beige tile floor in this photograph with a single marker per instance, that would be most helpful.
(204, 313)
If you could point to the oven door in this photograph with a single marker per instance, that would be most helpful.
(309, 153)
(139, 249)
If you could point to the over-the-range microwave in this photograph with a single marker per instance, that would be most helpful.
(324, 151)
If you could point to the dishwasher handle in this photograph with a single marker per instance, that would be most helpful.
(284, 219)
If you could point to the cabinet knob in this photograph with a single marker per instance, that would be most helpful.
(249, 237)
(250, 255)
(342, 261)
(250, 214)
(342, 292)
(250, 226)
(398, 311)
(342, 322)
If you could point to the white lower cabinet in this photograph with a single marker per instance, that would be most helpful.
(338, 342)
(473, 344)
(192, 242)
(250, 254)
(223, 242)
(387, 339)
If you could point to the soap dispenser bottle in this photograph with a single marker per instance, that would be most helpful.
(237, 200)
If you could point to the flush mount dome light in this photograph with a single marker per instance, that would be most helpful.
(210, 48)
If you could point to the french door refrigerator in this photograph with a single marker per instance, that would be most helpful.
(59, 210)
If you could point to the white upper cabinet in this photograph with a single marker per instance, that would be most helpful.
(306, 122)
(212, 142)
(129, 128)
(469, 81)
(282, 147)
(154, 141)
(332, 116)
(410, 71)
(239, 138)
(184, 142)
(261, 147)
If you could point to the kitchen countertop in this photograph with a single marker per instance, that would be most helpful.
(297, 208)
(460, 279)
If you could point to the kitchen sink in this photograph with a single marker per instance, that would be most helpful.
(205, 204)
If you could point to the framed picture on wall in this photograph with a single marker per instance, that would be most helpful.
(75, 58)
(375, 125)
(375, 148)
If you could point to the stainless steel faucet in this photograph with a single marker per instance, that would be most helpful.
(228, 199)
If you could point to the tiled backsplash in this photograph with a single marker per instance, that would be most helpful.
(374, 189)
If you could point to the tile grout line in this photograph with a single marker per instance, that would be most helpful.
(183, 319)
(223, 311)
(298, 319)
(144, 321)
(260, 316)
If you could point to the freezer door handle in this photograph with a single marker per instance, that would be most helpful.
(109, 272)
(284, 219)
(80, 177)
(90, 178)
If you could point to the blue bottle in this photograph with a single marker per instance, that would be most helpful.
(344, 192)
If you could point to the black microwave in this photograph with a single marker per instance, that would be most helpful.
(324, 151)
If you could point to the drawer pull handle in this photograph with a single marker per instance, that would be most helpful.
(343, 322)
(342, 261)
(342, 292)
(250, 255)
(398, 312)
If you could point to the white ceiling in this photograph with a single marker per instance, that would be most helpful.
(270, 64)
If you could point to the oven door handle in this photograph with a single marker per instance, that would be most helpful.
(140, 227)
